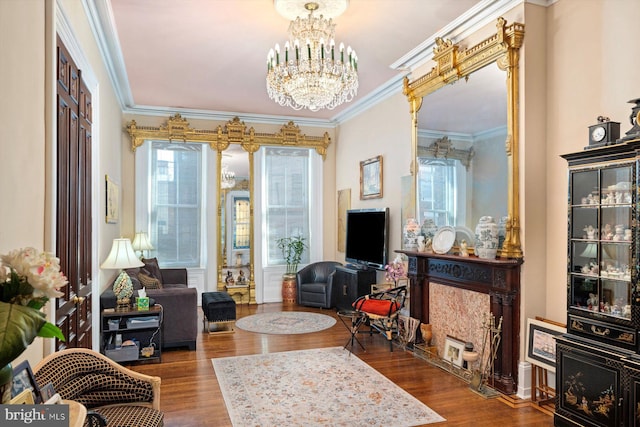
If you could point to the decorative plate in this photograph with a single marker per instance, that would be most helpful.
(465, 233)
(443, 239)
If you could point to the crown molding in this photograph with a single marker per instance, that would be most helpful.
(459, 136)
(387, 89)
(101, 20)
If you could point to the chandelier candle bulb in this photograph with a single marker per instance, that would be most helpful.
(342, 52)
(322, 49)
(297, 45)
(277, 54)
(309, 49)
(332, 43)
(286, 52)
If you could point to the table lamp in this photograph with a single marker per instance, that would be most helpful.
(141, 243)
(121, 257)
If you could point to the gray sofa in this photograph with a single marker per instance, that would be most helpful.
(179, 304)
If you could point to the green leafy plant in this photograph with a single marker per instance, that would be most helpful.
(28, 278)
(292, 249)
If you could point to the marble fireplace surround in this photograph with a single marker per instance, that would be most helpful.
(499, 278)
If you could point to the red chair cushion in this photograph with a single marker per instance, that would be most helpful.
(378, 307)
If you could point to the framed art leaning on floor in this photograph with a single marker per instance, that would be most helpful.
(453, 349)
(541, 343)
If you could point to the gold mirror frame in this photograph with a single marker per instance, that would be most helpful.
(454, 63)
(178, 130)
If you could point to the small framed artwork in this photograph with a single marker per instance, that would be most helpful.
(112, 199)
(23, 379)
(47, 391)
(541, 343)
(371, 178)
(453, 349)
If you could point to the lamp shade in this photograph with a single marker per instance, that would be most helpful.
(141, 242)
(121, 256)
(591, 251)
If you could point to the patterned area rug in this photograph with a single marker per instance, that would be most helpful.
(286, 322)
(319, 387)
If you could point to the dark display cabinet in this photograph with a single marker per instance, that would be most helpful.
(597, 369)
(351, 283)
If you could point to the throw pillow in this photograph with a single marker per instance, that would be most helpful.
(133, 274)
(149, 282)
(151, 265)
(379, 307)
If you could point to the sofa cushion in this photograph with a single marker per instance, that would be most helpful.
(149, 282)
(151, 265)
(380, 307)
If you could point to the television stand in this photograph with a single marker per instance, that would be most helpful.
(351, 283)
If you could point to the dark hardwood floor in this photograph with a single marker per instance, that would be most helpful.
(190, 395)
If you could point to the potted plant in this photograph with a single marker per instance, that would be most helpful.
(292, 249)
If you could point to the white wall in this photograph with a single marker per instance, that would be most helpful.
(27, 82)
(22, 134)
(591, 70)
(385, 130)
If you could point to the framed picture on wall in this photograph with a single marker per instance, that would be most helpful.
(371, 178)
(112, 200)
(541, 343)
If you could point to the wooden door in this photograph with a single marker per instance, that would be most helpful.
(73, 232)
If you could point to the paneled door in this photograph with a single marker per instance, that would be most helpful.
(73, 210)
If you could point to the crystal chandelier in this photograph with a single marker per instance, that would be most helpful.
(228, 178)
(312, 73)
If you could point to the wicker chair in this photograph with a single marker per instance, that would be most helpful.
(123, 397)
(381, 310)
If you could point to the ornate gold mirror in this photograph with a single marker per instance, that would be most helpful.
(235, 253)
(235, 145)
(482, 162)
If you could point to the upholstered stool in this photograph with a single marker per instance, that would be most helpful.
(219, 311)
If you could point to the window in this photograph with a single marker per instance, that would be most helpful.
(437, 184)
(286, 198)
(175, 203)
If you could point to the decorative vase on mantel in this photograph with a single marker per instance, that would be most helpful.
(6, 379)
(427, 333)
(410, 234)
(487, 238)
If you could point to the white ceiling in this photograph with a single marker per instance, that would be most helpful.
(209, 56)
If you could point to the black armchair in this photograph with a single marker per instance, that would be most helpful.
(315, 284)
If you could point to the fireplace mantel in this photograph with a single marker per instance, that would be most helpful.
(500, 278)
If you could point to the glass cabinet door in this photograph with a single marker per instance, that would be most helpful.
(601, 236)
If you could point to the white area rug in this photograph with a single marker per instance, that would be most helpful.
(286, 322)
(319, 387)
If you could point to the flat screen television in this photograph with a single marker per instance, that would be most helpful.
(367, 237)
